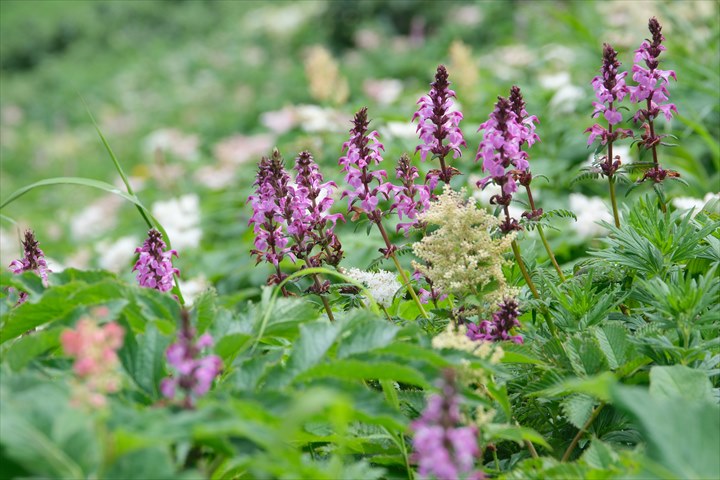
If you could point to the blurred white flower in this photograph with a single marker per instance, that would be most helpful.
(192, 288)
(382, 285)
(230, 153)
(686, 203)
(10, 247)
(95, 219)
(117, 256)
(174, 142)
(384, 90)
(401, 130)
(313, 118)
(566, 98)
(279, 121)
(589, 211)
(181, 219)
(555, 80)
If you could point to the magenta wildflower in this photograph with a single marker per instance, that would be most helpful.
(498, 329)
(503, 158)
(154, 266)
(314, 198)
(270, 238)
(193, 373)
(363, 151)
(33, 259)
(439, 127)
(652, 88)
(610, 89)
(445, 449)
(406, 204)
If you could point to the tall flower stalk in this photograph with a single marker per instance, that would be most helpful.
(505, 132)
(651, 88)
(524, 177)
(610, 89)
(439, 128)
(368, 187)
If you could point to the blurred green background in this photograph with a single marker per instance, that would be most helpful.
(190, 94)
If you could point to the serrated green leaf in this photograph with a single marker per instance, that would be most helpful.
(366, 336)
(680, 382)
(612, 339)
(515, 434)
(143, 357)
(578, 408)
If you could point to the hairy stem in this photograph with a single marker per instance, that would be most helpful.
(580, 432)
(550, 253)
(613, 200)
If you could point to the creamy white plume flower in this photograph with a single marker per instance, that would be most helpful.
(382, 284)
(181, 219)
(589, 211)
(96, 219)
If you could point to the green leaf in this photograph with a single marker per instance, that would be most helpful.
(314, 342)
(367, 335)
(515, 434)
(58, 303)
(366, 370)
(144, 359)
(151, 462)
(578, 408)
(682, 436)
(600, 455)
(27, 348)
(612, 339)
(680, 382)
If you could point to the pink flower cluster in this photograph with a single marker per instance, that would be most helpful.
(652, 81)
(193, 373)
(96, 362)
(498, 329)
(443, 448)
(439, 123)
(33, 260)
(363, 151)
(406, 204)
(431, 293)
(154, 266)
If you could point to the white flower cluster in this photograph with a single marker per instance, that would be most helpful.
(382, 285)
(181, 219)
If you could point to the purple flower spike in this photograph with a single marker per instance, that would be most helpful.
(154, 267)
(501, 152)
(193, 373)
(33, 260)
(610, 89)
(504, 320)
(652, 88)
(316, 199)
(267, 219)
(406, 204)
(439, 126)
(445, 449)
(363, 151)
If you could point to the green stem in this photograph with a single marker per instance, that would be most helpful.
(385, 311)
(613, 200)
(580, 432)
(406, 280)
(531, 285)
(316, 279)
(550, 253)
